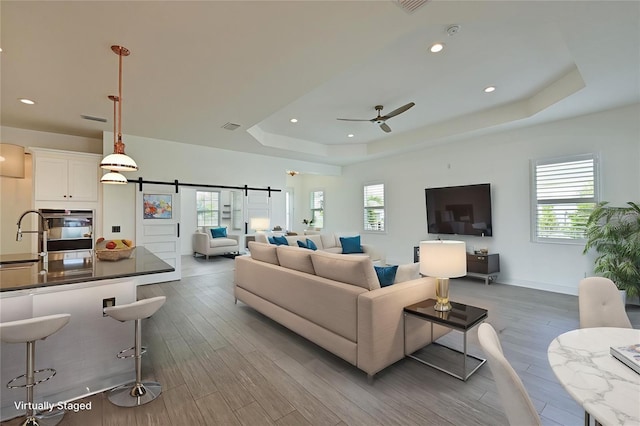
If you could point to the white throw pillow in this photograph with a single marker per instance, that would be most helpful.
(408, 272)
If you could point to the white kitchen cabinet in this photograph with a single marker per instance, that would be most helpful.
(65, 176)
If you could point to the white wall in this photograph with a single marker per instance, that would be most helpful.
(501, 159)
(160, 160)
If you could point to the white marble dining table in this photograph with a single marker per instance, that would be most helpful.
(605, 387)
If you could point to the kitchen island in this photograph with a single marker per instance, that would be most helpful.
(83, 352)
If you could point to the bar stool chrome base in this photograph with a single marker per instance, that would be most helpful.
(134, 394)
(47, 418)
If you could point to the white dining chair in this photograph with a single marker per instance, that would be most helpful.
(515, 399)
(600, 304)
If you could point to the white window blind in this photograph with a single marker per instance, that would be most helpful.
(317, 209)
(565, 195)
(374, 207)
(208, 208)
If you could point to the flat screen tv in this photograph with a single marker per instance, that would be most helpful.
(461, 210)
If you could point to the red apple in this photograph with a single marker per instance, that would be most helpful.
(110, 245)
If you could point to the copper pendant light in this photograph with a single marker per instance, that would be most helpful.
(114, 177)
(119, 161)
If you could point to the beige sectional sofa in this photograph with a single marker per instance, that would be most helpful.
(325, 242)
(335, 301)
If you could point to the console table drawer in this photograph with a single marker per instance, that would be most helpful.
(483, 263)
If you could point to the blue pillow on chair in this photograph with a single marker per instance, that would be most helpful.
(219, 232)
(386, 274)
(280, 241)
(272, 240)
(302, 244)
(351, 245)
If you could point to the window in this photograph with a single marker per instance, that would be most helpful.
(317, 209)
(288, 208)
(208, 208)
(565, 191)
(374, 207)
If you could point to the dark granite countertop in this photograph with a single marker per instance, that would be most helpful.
(24, 275)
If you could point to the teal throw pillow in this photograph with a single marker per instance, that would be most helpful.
(302, 244)
(311, 245)
(351, 245)
(219, 232)
(272, 240)
(386, 274)
(280, 241)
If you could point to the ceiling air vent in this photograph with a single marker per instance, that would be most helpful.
(410, 6)
(230, 126)
(92, 118)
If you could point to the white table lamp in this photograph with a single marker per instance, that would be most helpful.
(259, 223)
(443, 260)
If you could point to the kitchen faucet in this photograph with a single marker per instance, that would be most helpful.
(45, 227)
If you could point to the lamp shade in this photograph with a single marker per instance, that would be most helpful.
(443, 259)
(259, 223)
(114, 178)
(119, 163)
(11, 160)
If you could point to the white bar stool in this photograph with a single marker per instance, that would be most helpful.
(135, 393)
(28, 331)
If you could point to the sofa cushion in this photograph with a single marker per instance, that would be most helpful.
(328, 240)
(222, 242)
(220, 232)
(295, 258)
(355, 270)
(408, 272)
(263, 252)
(351, 245)
(386, 274)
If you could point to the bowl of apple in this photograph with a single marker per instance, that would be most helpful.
(113, 249)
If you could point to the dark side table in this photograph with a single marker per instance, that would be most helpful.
(448, 360)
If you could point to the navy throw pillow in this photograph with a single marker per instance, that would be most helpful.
(351, 245)
(280, 241)
(302, 244)
(219, 232)
(311, 245)
(272, 240)
(386, 274)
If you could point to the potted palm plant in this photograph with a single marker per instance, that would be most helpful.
(614, 233)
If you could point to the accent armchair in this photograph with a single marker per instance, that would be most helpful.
(206, 245)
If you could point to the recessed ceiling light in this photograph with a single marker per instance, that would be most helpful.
(26, 101)
(294, 120)
(350, 135)
(435, 48)
(489, 89)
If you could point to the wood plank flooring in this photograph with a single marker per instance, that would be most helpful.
(225, 364)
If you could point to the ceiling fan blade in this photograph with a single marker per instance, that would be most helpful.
(398, 111)
(351, 119)
(385, 127)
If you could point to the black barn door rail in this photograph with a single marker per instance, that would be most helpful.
(177, 184)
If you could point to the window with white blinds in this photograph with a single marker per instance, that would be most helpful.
(374, 207)
(317, 209)
(208, 208)
(565, 191)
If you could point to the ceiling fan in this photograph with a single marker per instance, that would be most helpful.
(381, 119)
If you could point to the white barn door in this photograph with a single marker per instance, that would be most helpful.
(158, 228)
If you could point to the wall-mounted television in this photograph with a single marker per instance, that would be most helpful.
(461, 210)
